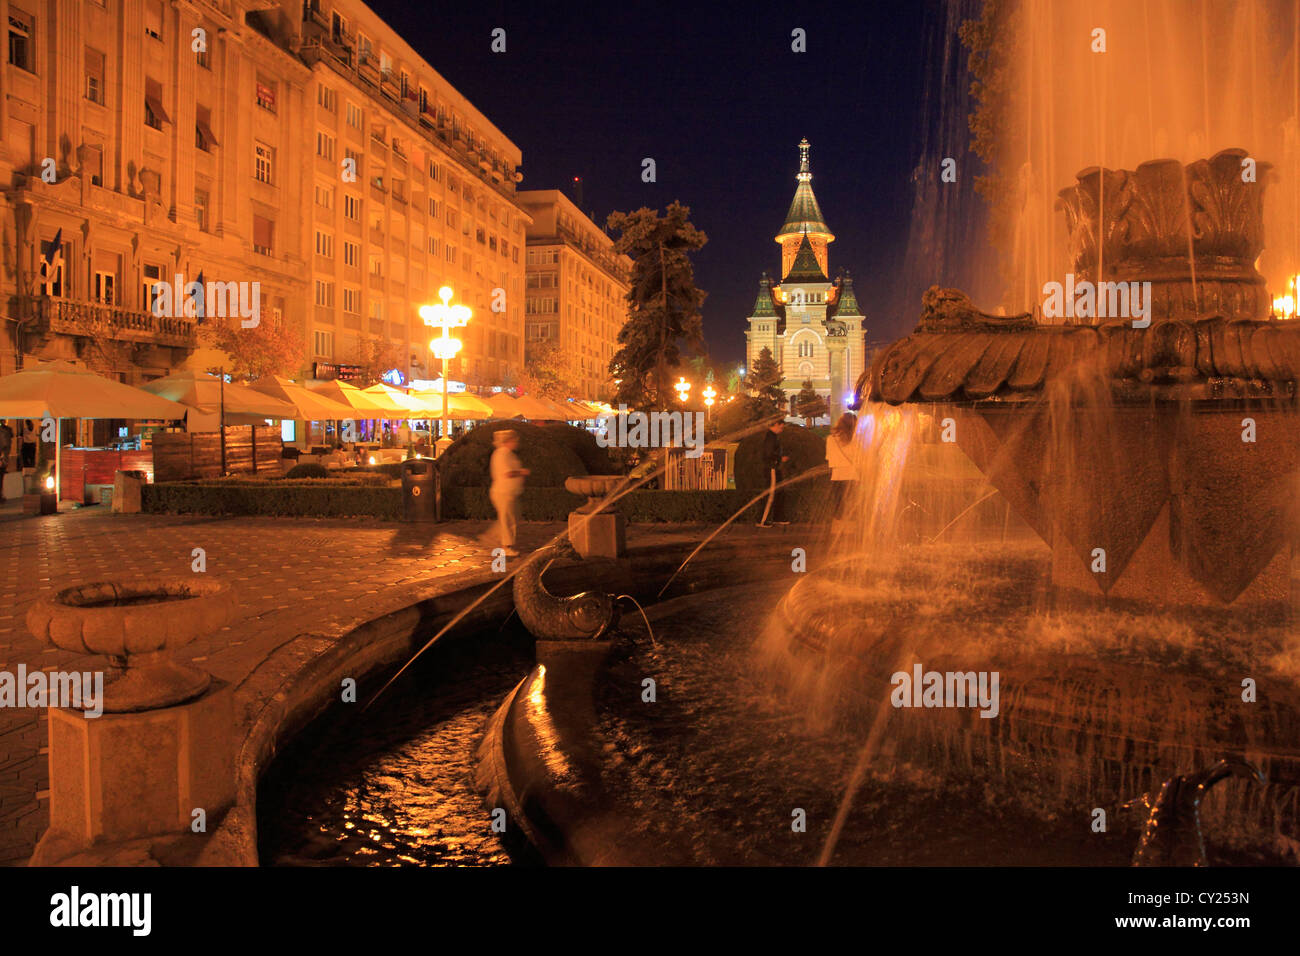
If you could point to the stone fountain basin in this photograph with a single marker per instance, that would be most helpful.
(595, 488)
(124, 618)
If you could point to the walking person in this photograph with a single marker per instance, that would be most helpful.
(6, 445)
(27, 450)
(508, 474)
(773, 460)
(842, 456)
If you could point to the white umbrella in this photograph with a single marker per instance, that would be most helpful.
(59, 390)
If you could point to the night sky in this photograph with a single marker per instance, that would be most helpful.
(716, 96)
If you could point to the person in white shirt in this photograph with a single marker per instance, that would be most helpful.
(507, 473)
(842, 456)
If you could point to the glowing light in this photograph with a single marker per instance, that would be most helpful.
(49, 483)
(372, 459)
(683, 389)
(1287, 306)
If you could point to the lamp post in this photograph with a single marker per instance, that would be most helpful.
(683, 389)
(709, 393)
(445, 316)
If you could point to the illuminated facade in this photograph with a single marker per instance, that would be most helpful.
(576, 289)
(813, 326)
(306, 148)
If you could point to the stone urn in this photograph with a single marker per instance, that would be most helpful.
(136, 624)
(597, 528)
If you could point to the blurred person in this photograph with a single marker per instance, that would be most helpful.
(842, 456)
(773, 460)
(27, 449)
(508, 474)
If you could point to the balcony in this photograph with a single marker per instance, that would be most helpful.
(368, 67)
(52, 316)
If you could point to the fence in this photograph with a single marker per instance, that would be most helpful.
(708, 472)
(250, 449)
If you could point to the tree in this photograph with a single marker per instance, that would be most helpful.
(378, 356)
(546, 371)
(271, 347)
(663, 302)
(764, 382)
(809, 404)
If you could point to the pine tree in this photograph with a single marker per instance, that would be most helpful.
(663, 302)
(764, 380)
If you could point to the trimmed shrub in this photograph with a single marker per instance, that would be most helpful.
(805, 449)
(544, 453)
(324, 499)
(583, 444)
(308, 470)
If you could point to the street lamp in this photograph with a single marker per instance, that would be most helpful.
(708, 394)
(683, 389)
(445, 316)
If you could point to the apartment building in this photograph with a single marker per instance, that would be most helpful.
(412, 188)
(303, 147)
(576, 288)
(154, 140)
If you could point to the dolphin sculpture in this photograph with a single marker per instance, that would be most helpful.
(1172, 835)
(585, 616)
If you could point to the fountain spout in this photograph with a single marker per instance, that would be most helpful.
(1172, 835)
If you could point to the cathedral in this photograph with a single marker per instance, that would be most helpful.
(812, 325)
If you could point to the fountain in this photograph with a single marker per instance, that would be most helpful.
(1158, 461)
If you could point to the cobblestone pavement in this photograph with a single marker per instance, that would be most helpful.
(288, 575)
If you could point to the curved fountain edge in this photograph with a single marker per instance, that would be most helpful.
(297, 682)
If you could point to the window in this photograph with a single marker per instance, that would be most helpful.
(326, 98)
(153, 18)
(152, 275)
(154, 114)
(325, 293)
(94, 76)
(338, 28)
(22, 47)
(325, 196)
(201, 56)
(105, 283)
(351, 254)
(433, 245)
(377, 309)
(377, 266)
(264, 163)
(354, 159)
(204, 138)
(263, 230)
(322, 342)
(354, 115)
(352, 208)
(424, 102)
(434, 171)
(52, 278)
(451, 253)
(352, 301)
(201, 210)
(265, 93)
(324, 145)
(480, 236)
(433, 208)
(324, 245)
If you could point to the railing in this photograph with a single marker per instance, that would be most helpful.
(101, 320)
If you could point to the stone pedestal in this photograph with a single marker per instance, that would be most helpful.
(601, 535)
(124, 776)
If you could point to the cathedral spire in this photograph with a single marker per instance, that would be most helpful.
(804, 218)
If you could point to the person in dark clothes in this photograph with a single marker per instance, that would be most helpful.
(773, 460)
(27, 448)
(6, 444)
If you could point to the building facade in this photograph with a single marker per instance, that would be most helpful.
(576, 289)
(301, 147)
(813, 326)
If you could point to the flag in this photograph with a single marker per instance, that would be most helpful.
(52, 254)
(198, 304)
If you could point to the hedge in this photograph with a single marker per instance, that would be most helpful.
(332, 499)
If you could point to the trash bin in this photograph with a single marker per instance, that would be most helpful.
(126, 491)
(419, 490)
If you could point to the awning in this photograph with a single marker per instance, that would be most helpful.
(400, 404)
(61, 390)
(504, 405)
(460, 405)
(311, 407)
(532, 407)
(206, 393)
(367, 406)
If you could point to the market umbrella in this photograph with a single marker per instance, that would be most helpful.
(208, 394)
(368, 406)
(584, 411)
(530, 407)
(310, 406)
(460, 406)
(59, 390)
(559, 410)
(400, 404)
(504, 405)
